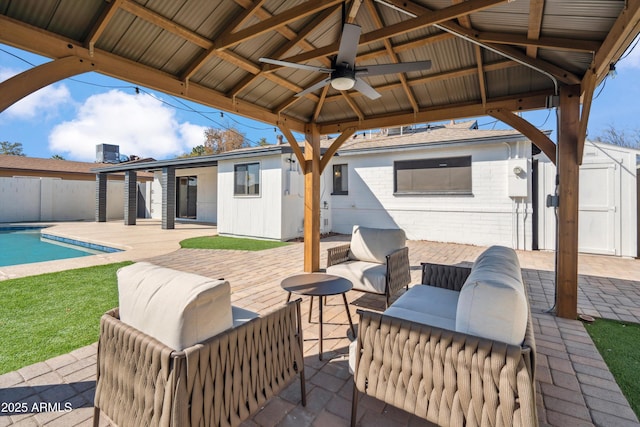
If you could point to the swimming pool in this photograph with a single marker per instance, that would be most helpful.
(25, 245)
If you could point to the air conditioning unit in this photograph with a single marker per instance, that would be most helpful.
(107, 153)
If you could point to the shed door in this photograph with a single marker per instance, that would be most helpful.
(599, 188)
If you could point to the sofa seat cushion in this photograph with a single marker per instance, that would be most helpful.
(374, 244)
(493, 303)
(438, 302)
(178, 309)
(365, 276)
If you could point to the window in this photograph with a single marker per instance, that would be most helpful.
(340, 179)
(246, 179)
(433, 176)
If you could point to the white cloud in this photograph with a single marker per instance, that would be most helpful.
(139, 124)
(44, 102)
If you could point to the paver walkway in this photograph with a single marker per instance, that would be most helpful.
(575, 388)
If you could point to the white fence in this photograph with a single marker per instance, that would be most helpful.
(26, 199)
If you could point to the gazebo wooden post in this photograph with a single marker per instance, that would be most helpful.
(312, 199)
(568, 171)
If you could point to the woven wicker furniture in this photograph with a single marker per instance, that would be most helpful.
(375, 261)
(439, 373)
(219, 380)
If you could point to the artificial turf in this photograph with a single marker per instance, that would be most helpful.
(51, 314)
(235, 243)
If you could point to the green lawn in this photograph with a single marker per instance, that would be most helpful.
(619, 345)
(222, 242)
(52, 314)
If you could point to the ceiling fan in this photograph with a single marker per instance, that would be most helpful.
(343, 74)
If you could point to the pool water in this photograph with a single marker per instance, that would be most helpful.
(26, 245)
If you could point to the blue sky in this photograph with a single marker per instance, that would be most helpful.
(70, 117)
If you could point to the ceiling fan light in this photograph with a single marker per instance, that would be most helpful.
(342, 83)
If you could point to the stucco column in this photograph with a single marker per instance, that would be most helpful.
(168, 198)
(130, 197)
(101, 197)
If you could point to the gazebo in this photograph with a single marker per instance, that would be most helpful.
(488, 57)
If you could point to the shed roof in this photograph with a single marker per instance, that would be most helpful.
(35, 164)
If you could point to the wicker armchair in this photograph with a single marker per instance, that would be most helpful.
(446, 377)
(219, 382)
(380, 274)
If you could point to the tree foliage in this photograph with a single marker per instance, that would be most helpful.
(221, 140)
(11, 148)
(218, 141)
(623, 138)
(57, 157)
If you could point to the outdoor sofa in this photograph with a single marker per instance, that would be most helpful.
(176, 353)
(456, 350)
(376, 261)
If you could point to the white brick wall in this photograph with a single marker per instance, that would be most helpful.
(488, 216)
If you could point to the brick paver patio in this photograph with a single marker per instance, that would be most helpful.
(575, 388)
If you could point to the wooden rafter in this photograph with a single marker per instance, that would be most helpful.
(352, 104)
(392, 55)
(320, 103)
(296, 13)
(101, 24)
(298, 40)
(465, 22)
(536, 10)
(558, 43)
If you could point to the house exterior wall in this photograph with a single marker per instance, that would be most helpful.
(608, 208)
(48, 199)
(261, 215)
(487, 216)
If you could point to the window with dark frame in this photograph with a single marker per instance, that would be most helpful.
(246, 179)
(340, 179)
(451, 175)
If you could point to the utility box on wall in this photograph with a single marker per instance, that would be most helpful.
(518, 177)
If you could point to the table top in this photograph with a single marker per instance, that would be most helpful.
(316, 284)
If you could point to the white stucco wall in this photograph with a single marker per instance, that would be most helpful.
(488, 216)
(260, 215)
(48, 199)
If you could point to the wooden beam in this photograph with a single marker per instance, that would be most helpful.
(558, 43)
(335, 146)
(294, 146)
(623, 32)
(320, 104)
(588, 87)
(569, 179)
(17, 87)
(531, 101)
(312, 199)
(352, 104)
(541, 140)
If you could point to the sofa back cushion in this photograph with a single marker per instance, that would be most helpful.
(493, 303)
(178, 309)
(374, 244)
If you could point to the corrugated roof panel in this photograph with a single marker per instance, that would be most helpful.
(135, 41)
(574, 62)
(70, 12)
(516, 79)
(114, 31)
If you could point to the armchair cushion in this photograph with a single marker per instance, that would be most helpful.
(365, 276)
(178, 309)
(374, 244)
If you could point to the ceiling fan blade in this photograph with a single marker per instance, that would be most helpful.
(403, 67)
(314, 87)
(365, 89)
(294, 65)
(348, 44)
